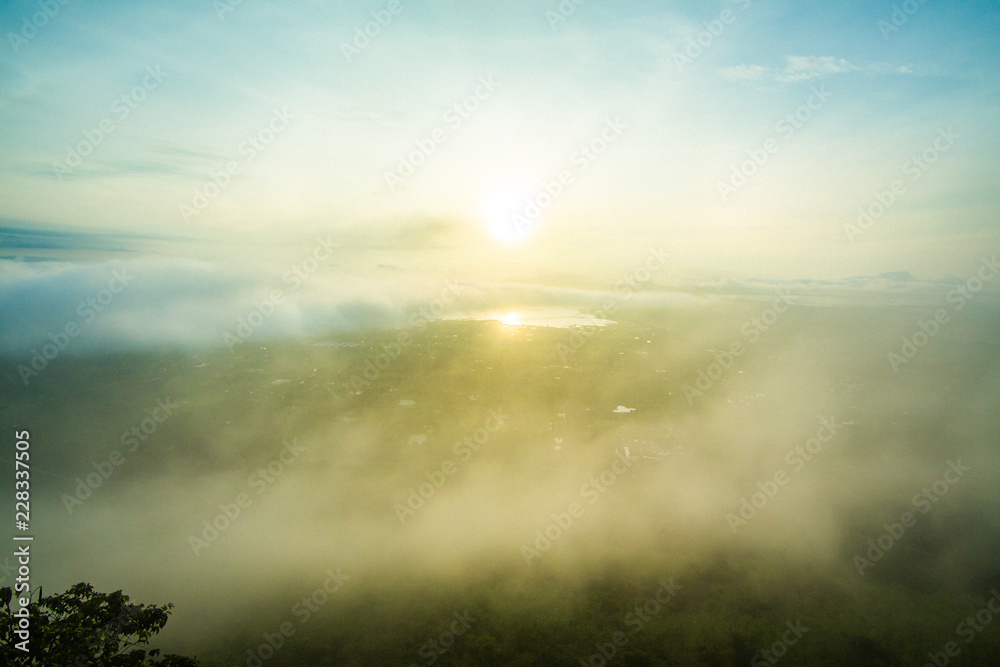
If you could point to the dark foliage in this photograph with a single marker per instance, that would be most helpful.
(84, 628)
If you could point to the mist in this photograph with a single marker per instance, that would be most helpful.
(487, 462)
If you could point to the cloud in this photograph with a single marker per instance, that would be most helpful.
(743, 72)
(18, 236)
(191, 303)
(797, 68)
(411, 234)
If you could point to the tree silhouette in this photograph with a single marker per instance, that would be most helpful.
(84, 628)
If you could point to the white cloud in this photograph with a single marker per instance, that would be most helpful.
(183, 302)
(743, 72)
(797, 68)
(807, 67)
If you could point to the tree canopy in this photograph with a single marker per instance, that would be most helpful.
(85, 628)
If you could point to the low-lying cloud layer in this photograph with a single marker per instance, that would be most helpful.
(479, 449)
(148, 302)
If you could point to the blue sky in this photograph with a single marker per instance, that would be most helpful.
(348, 121)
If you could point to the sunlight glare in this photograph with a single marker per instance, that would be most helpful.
(499, 213)
(511, 319)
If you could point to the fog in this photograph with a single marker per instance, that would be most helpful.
(483, 462)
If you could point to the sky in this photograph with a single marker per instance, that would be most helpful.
(226, 130)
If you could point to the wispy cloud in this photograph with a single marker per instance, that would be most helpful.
(743, 72)
(797, 68)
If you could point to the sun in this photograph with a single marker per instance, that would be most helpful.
(511, 319)
(503, 212)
